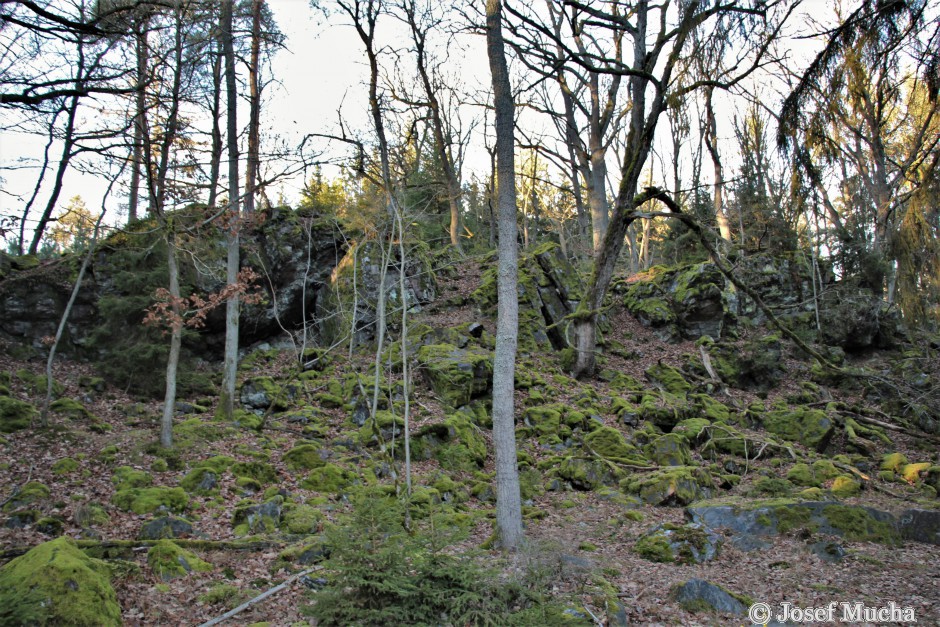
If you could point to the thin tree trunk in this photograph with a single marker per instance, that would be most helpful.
(215, 164)
(67, 143)
(254, 109)
(711, 142)
(176, 340)
(140, 101)
(42, 175)
(508, 500)
(230, 368)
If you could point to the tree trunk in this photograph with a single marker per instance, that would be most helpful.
(711, 142)
(230, 368)
(215, 158)
(176, 340)
(254, 109)
(143, 59)
(508, 500)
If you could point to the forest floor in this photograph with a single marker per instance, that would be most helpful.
(573, 536)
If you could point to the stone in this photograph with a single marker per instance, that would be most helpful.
(692, 543)
(56, 584)
(696, 595)
(678, 484)
(165, 527)
(810, 427)
(920, 525)
(829, 552)
(261, 518)
(15, 414)
(168, 561)
(456, 375)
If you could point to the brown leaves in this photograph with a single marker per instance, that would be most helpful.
(172, 312)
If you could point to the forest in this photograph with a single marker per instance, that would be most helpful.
(381, 312)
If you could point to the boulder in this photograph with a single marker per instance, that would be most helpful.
(56, 584)
(456, 375)
(697, 595)
(165, 527)
(168, 561)
(692, 543)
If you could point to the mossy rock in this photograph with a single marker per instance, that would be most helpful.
(700, 596)
(202, 481)
(771, 486)
(168, 561)
(845, 486)
(802, 475)
(304, 457)
(713, 410)
(586, 474)
(37, 384)
(148, 500)
(70, 408)
(126, 477)
(56, 584)
(264, 393)
(302, 519)
(259, 518)
(912, 473)
(259, 471)
(810, 427)
(30, 493)
(678, 484)
(755, 365)
(894, 462)
(65, 466)
(328, 479)
(726, 439)
(217, 464)
(544, 419)
(15, 414)
(456, 375)
(693, 430)
(609, 443)
(669, 378)
(681, 544)
(669, 449)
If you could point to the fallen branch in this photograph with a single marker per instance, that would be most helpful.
(261, 597)
(137, 545)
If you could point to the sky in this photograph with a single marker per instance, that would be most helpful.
(321, 73)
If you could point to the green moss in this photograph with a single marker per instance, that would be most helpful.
(224, 594)
(159, 465)
(303, 519)
(793, 518)
(15, 414)
(126, 477)
(682, 484)
(259, 471)
(30, 493)
(217, 464)
(771, 486)
(893, 462)
(857, 524)
(912, 472)
(802, 475)
(201, 481)
(544, 419)
(70, 408)
(65, 466)
(56, 584)
(655, 548)
(845, 486)
(90, 515)
(328, 478)
(168, 561)
(669, 450)
(609, 443)
(669, 378)
(147, 500)
(824, 470)
(303, 457)
(810, 427)
(456, 375)
(713, 410)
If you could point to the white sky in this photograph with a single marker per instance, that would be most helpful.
(322, 70)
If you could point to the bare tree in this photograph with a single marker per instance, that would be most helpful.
(508, 500)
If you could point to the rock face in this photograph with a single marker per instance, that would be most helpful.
(549, 291)
(56, 584)
(698, 594)
(345, 304)
(295, 252)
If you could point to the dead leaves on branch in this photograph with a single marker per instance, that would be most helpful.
(173, 313)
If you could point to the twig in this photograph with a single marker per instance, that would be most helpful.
(244, 606)
(18, 488)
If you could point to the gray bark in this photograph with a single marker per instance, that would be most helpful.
(508, 500)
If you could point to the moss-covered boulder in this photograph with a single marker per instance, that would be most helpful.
(148, 500)
(304, 457)
(302, 519)
(56, 584)
(201, 481)
(168, 561)
(259, 518)
(329, 479)
(752, 365)
(679, 484)
(586, 474)
(29, 494)
(456, 375)
(15, 414)
(681, 544)
(126, 477)
(669, 449)
(71, 408)
(810, 427)
(751, 522)
(698, 595)
(259, 471)
(65, 466)
(264, 393)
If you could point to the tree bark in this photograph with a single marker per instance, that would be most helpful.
(254, 110)
(230, 368)
(140, 102)
(508, 500)
(711, 142)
